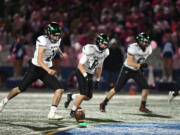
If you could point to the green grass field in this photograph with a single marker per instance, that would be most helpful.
(27, 113)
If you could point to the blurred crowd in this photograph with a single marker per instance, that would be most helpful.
(81, 20)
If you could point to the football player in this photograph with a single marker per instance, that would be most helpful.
(133, 65)
(40, 67)
(90, 64)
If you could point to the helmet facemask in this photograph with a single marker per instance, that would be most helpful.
(102, 39)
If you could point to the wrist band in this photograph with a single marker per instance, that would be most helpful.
(85, 74)
(98, 79)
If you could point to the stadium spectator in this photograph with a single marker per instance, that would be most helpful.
(176, 38)
(17, 55)
(40, 67)
(113, 63)
(168, 50)
(115, 17)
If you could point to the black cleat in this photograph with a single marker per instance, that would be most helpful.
(144, 109)
(72, 113)
(102, 107)
(69, 99)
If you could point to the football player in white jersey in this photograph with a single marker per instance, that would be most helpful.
(90, 64)
(40, 67)
(137, 53)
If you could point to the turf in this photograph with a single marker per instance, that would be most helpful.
(27, 113)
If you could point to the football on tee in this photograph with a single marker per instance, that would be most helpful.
(79, 114)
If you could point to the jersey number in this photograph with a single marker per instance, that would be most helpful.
(140, 60)
(51, 56)
(93, 64)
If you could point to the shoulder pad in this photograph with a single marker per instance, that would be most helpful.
(88, 49)
(132, 48)
(41, 40)
(107, 52)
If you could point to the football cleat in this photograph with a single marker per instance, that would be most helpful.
(54, 117)
(102, 107)
(72, 113)
(171, 96)
(2, 105)
(69, 99)
(144, 109)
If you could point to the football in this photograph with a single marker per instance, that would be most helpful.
(79, 114)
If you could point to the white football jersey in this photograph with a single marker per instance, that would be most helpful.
(50, 50)
(139, 55)
(95, 57)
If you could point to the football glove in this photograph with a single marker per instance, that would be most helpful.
(86, 78)
(143, 66)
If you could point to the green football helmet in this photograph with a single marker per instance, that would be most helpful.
(102, 38)
(142, 37)
(53, 29)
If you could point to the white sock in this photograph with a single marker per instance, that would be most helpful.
(5, 100)
(74, 96)
(53, 109)
(74, 108)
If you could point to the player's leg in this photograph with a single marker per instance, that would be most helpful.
(170, 70)
(52, 82)
(172, 95)
(12, 93)
(55, 102)
(141, 81)
(57, 97)
(122, 79)
(143, 108)
(70, 97)
(79, 99)
(30, 76)
(85, 88)
(103, 104)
